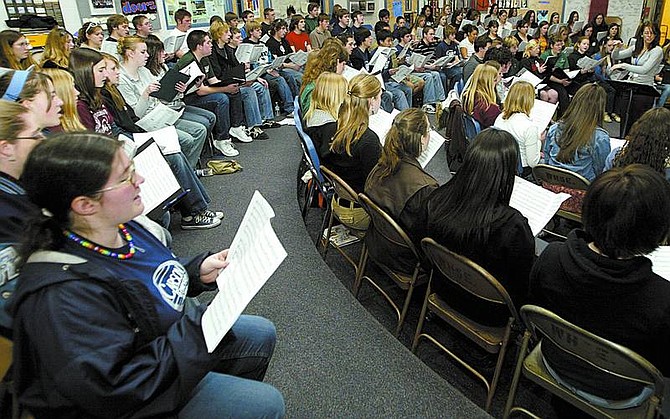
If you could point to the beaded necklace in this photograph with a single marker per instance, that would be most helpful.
(102, 250)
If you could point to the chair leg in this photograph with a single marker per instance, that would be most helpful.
(326, 241)
(422, 317)
(360, 271)
(309, 195)
(517, 374)
(405, 305)
(499, 364)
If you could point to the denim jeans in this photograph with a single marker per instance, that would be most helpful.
(257, 104)
(192, 136)
(433, 90)
(402, 95)
(451, 76)
(200, 115)
(197, 199)
(660, 102)
(387, 101)
(284, 91)
(219, 104)
(293, 78)
(235, 388)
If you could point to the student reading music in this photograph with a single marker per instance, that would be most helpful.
(103, 326)
(14, 50)
(355, 148)
(401, 187)
(329, 92)
(57, 49)
(479, 97)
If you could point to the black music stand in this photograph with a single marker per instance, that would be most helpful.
(629, 88)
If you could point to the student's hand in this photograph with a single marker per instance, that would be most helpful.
(263, 82)
(273, 73)
(616, 67)
(540, 67)
(169, 57)
(393, 71)
(152, 87)
(293, 66)
(543, 135)
(231, 88)
(308, 47)
(180, 86)
(247, 66)
(212, 266)
(566, 82)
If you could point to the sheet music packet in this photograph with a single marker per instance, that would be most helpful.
(541, 113)
(277, 62)
(173, 43)
(160, 116)
(553, 28)
(265, 38)
(535, 203)
(381, 54)
(439, 32)
(166, 138)
(299, 57)
(403, 53)
(111, 47)
(465, 22)
(195, 77)
(528, 76)
(254, 255)
(587, 63)
(349, 73)
(256, 72)
(601, 35)
(402, 73)
(577, 26)
(243, 52)
(160, 188)
(660, 261)
(444, 61)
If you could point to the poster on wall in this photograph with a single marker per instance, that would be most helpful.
(102, 7)
(201, 10)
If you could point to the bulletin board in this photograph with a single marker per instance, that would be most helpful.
(543, 8)
(16, 8)
(201, 10)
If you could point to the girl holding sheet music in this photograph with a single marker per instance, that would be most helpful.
(532, 62)
(572, 19)
(471, 215)
(96, 282)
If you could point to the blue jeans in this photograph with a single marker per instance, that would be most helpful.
(660, 102)
(217, 103)
(202, 116)
(387, 101)
(197, 199)
(433, 90)
(451, 76)
(257, 104)
(235, 389)
(192, 136)
(284, 91)
(402, 95)
(293, 78)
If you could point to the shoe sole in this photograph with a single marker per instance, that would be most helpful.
(201, 227)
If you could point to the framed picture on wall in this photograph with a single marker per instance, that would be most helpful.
(102, 7)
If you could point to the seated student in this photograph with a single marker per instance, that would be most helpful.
(136, 83)
(278, 46)
(613, 33)
(298, 37)
(532, 63)
(400, 22)
(117, 27)
(470, 215)
(482, 44)
(331, 58)
(312, 19)
(601, 74)
(183, 20)
(14, 50)
(142, 26)
(588, 33)
(400, 186)
(449, 46)
(268, 19)
(225, 102)
(577, 142)
(515, 119)
(57, 49)
(231, 19)
(479, 97)
(541, 36)
(355, 148)
(384, 21)
(91, 36)
(600, 280)
(492, 31)
(255, 94)
(327, 96)
(150, 354)
(318, 36)
(362, 55)
(402, 94)
(435, 80)
(467, 45)
(63, 83)
(89, 70)
(648, 142)
(522, 26)
(342, 23)
(26, 108)
(418, 27)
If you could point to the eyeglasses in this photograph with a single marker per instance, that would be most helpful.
(22, 44)
(130, 180)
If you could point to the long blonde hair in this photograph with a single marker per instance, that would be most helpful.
(328, 94)
(530, 45)
(54, 48)
(64, 86)
(480, 86)
(583, 116)
(403, 140)
(354, 113)
(520, 98)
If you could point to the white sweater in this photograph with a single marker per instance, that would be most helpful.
(526, 133)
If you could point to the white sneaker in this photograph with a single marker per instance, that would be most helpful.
(240, 133)
(226, 148)
(428, 108)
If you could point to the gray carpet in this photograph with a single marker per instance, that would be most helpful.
(333, 357)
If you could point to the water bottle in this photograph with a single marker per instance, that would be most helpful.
(277, 110)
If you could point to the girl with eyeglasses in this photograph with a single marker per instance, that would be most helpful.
(103, 316)
(14, 50)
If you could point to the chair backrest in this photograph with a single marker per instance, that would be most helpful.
(297, 112)
(309, 151)
(467, 274)
(608, 357)
(560, 176)
(471, 127)
(386, 227)
(342, 189)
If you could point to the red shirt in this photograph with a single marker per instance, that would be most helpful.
(299, 42)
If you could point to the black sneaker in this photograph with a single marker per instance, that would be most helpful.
(199, 222)
(269, 124)
(213, 214)
(258, 134)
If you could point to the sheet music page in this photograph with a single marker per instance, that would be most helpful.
(465, 22)
(380, 63)
(434, 144)
(404, 51)
(616, 142)
(160, 116)
(299, 57)
(254, 255)
(256, 53)
(380, 53)
(380, 123)
(159, 181)
(535, 203)
(256, 72)
(243, 52)
(660, 261)
(264, 39)
(402, 73)
(541, 113)
(577, 26)
(166, 138)
(349, 72)
(192, 71)
(529, 77)
(110, 48)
